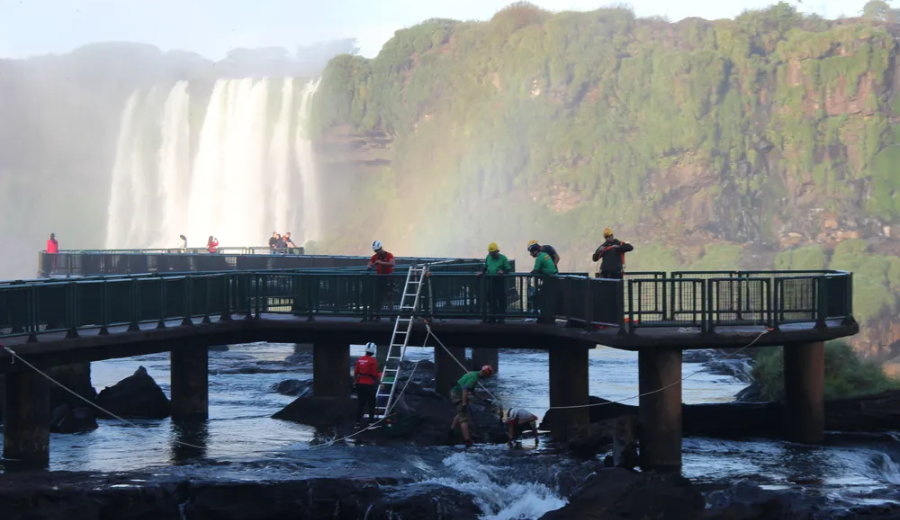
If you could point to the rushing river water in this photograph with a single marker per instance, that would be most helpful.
(242, 441)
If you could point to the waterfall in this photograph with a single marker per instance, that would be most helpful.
(242, 170)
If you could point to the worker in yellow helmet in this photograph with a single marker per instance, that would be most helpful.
(495, 266)
(611, 255)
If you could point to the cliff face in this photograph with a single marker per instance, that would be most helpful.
(749, 143)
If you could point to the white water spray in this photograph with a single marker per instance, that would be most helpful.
(238, 174)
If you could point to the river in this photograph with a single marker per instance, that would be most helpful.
(243, 441)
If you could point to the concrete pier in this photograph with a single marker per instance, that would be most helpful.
(569, 387)
(486, 356)
(331, 370)
(190, 383)
(447, 371)
(659, 371)
(26, 429)
(804, 392)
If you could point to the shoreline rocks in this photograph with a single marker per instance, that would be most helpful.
(136, 396)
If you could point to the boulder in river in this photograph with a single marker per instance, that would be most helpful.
(65, 419)
(294, 387)
(620, 494)
(136, 396)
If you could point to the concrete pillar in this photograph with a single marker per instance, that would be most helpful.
(26, 429)
(485, 356)
(76, 377)
(331, 370)
(660, 411)
(447, 371)
(190, 383)
(190, 440)
(804, 392)
(569, 387)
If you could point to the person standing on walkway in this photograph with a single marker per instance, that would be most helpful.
(611, 255)
(182, 243)
(516, 419)
(383, 263)
(366, 381)
(495, 266)
(273, 241)
(289, 244)
(212, 244)
(461, 395)
(550, 250)
(52, 249)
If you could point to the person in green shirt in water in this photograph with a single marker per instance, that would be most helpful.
(460, 395)
(496, 265)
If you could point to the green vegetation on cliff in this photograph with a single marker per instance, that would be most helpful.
(680, 136)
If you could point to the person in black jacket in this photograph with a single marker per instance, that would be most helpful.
(611, 255)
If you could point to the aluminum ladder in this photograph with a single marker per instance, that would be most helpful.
(412, 289)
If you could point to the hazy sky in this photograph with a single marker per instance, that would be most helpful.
(212, 27)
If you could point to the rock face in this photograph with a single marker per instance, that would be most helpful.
(619, 494)
(135, 396)
(79, 496)
(294, 387)
(422, 416)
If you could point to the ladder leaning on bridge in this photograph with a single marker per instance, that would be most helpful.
(412, 290)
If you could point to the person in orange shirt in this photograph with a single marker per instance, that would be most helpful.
(383, 263)
(366, 379)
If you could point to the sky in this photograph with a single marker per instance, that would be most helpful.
(213, 27)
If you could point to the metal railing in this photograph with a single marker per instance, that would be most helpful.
(128, 262)
(746, 299)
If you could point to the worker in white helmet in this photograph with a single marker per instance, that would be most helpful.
(516, 419)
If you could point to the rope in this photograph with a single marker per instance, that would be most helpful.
(651, 392)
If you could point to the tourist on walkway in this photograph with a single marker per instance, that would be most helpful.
(182, 243)
(496, 265)
(212, 244)
(550, 250)
(461, 394)
(516, 419)
(366, 381)
(52, 249)
(611, 255)
(273, 241)
(289, 244)
(383, 263)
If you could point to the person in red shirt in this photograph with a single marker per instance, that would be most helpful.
(212, 244)
(366, 380)
(53, 249)
(383, 263)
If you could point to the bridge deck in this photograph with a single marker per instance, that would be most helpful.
(54, 348)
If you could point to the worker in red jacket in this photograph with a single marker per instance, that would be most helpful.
(53, 249)
(366, 379)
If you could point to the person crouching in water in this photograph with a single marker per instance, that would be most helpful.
(611, 255)
(516, 419)
(460, 396)
(366, 379)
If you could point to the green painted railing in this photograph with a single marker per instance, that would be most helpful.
(641, 300)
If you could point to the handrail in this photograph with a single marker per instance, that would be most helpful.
(700, 303)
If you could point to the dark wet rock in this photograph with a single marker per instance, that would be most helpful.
(294, 387)
(82, 496)
(700, 355)
(254, 369)
(619, 494)
(65, 419)
(322, 413)
(219, 348)
(751, 394)
(738, 368)
(135, 396)
(76, 377)
(745, 500)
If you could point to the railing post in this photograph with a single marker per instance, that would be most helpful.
(630, 307)
(226, 294)
(776, 306)
(710, 306)
(704, 324)
(32, 320)
(206, 287)
(161, 324)
(135, 306)
(665, 298)
(262, 292)
(822, 302)
(740, 297)
(188, 302)
(588, 302)
(71, 310)
(104, 308)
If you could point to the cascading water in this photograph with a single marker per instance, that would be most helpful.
(242, 171)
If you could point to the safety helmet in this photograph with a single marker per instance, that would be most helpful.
(533, 247)
(531, 243)
(370, 348)
(510, 414)
(376, 245)
(607, 232)
(488, 371)
(492, 247)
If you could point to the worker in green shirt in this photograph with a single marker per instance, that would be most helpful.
(496, 265)
(461, 395)
(543, 263)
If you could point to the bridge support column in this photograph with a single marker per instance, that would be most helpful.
(804, 392)
(190, 383)
(485, 356)
(331, 370)
(26, 429)
(446, 370)
(659, 371)
(569, 387)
